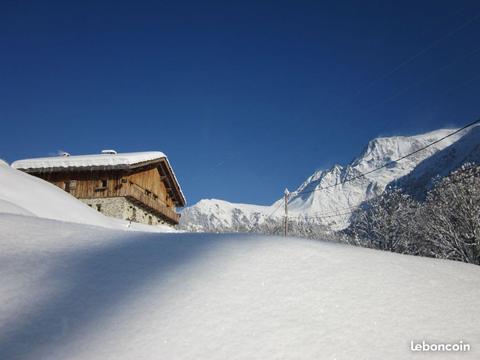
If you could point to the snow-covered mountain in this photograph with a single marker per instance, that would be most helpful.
(330, 207)
(213, 215)
(443, 162)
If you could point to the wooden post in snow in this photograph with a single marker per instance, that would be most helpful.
(286, 193)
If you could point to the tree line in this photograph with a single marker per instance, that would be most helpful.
(445, 225)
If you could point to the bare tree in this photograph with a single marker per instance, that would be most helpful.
(386, 223)
(451, 216)
(446, 225)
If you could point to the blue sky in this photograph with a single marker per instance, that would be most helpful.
(245, 97)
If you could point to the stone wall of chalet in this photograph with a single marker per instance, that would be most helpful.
(122, 208)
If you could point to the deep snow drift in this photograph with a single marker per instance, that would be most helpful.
(70, 291)
(31, 195)
(25, 194)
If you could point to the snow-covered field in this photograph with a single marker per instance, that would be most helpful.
(71, 291)
(76, 285)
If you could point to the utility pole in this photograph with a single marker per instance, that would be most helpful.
(286, 193)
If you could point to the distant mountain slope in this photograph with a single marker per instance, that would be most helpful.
(308, 201)
(214, 215)
(440, 164)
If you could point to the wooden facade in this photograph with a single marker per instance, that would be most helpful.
(151, 186)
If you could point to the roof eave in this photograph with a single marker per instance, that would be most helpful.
(180, 198)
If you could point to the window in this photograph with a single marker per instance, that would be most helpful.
(102, 184)
(70, 185)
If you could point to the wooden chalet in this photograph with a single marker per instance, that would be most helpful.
(139, 187)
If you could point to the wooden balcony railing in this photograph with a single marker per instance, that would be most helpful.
(137, 195)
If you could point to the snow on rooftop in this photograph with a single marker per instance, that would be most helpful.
(104, 159)
(119, 160)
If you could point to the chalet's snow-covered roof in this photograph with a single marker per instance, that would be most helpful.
(95, 161)
(122, 160)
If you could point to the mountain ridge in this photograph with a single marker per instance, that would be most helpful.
(324, 196)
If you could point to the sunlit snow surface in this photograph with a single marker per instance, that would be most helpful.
(71, 291)
(25, 194)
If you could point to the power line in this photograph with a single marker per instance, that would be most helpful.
(398, 67)
(274, 210)
(336, 211)
(321, 217)
(317, 216)
(317, 213)
(420, 53)
(361, 175)
(329, 214)
(474, 53)
(392, 161)
(413, 57)
(353, 209)
(450, 90)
